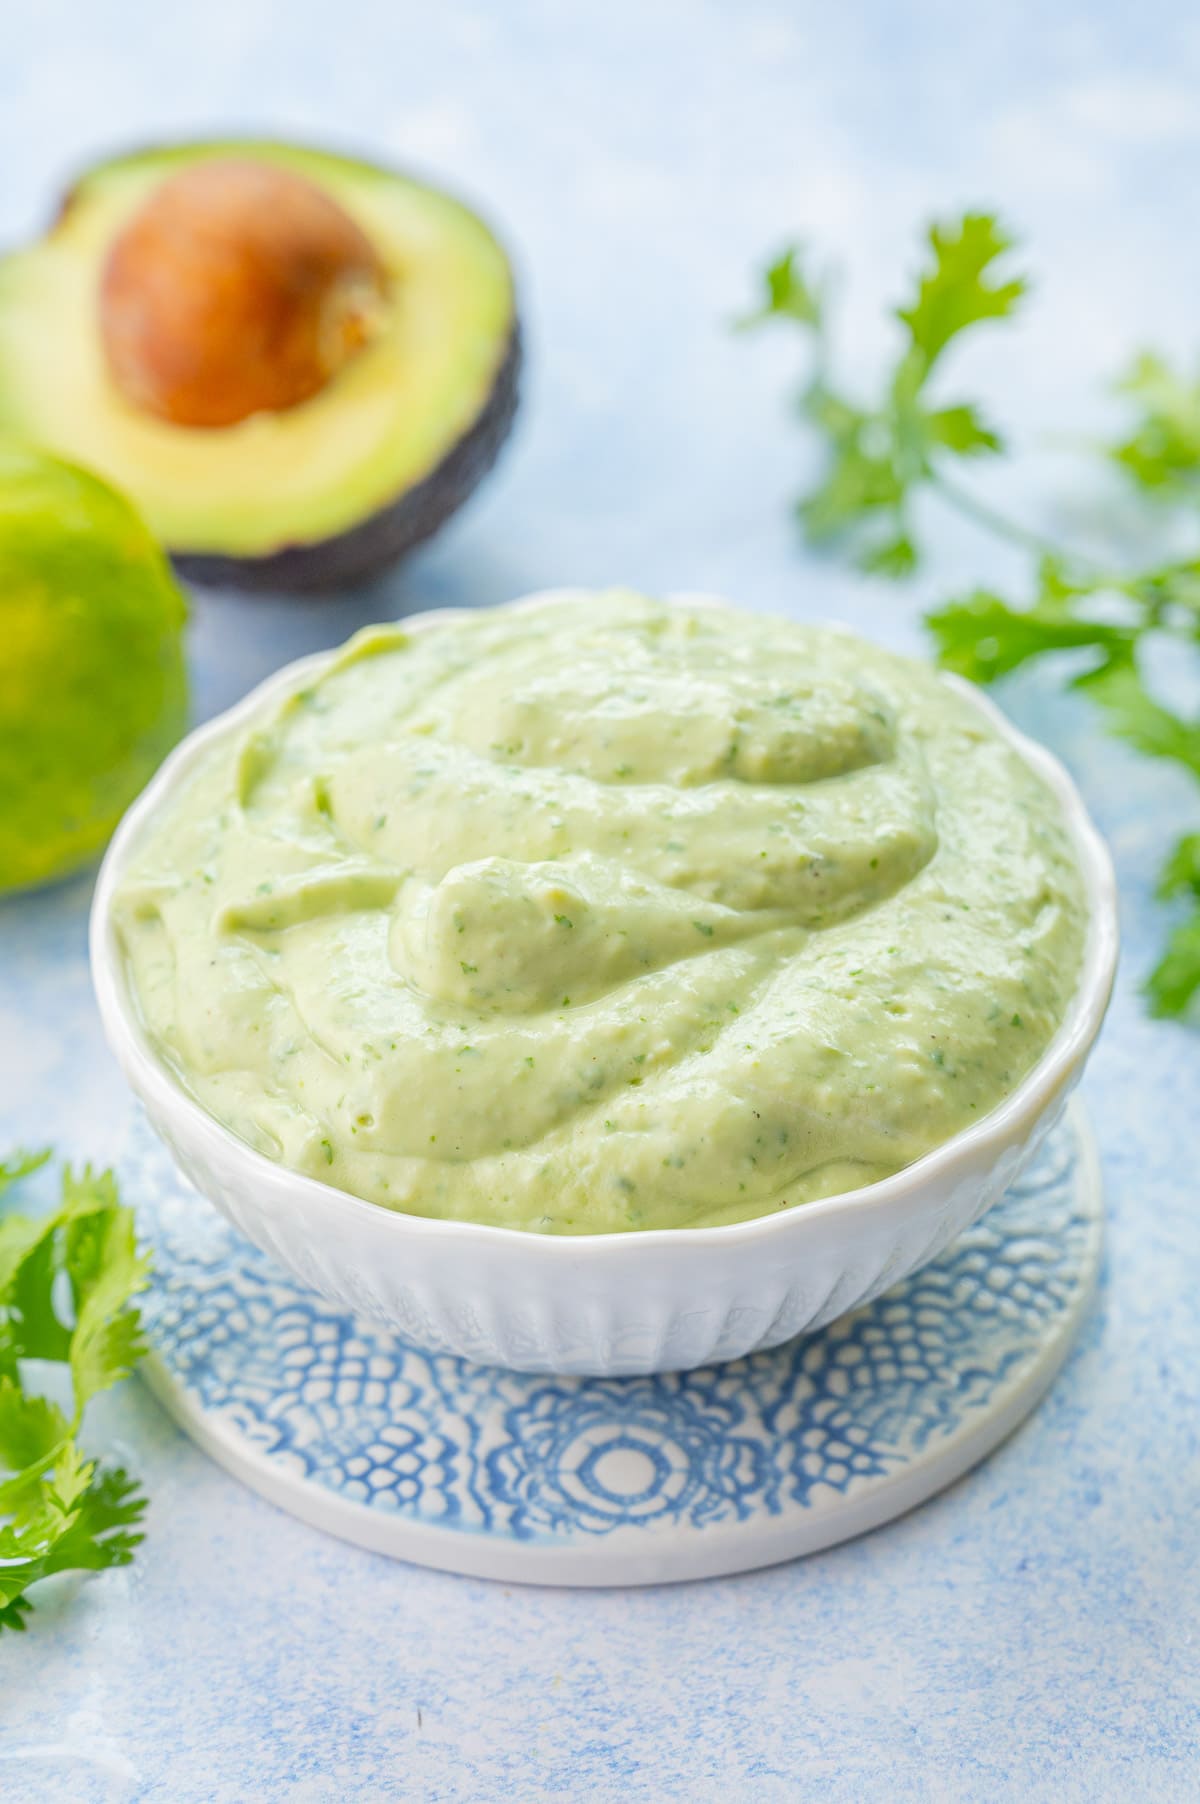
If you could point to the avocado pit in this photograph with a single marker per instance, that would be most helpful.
(238, 287)
(296, 364)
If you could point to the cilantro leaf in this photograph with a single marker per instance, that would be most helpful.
(100, 1537)
(1181, 872)
(1175, 980)
(1162, 453)
(30, 1428)
(960, 429)
(87, 1524)
(788, 292)
(1159, 731)
(13, 1614)
(984, 638)
(31, 1320)
(954, 293)
(895, 557)
(105, 1270)
(58, 1511)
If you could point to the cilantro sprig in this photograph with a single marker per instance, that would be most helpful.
(880, 456)
(66, 1284)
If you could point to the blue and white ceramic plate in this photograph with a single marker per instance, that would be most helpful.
(615, 1481)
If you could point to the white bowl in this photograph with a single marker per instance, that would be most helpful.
(648, 1301)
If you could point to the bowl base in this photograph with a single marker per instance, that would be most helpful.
(615, 1481)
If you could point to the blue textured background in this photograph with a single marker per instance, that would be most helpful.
(1033, 1633)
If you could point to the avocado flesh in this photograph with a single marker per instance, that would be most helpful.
(327, 490)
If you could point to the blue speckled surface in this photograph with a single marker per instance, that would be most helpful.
(1033, 1633)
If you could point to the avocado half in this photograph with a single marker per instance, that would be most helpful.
(331, 490)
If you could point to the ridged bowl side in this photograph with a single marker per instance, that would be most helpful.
(595, 1309)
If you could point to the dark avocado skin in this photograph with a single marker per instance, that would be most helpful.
(386, 536)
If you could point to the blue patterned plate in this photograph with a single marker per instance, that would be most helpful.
(616, 1480)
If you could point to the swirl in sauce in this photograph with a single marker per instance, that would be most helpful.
(603, 913)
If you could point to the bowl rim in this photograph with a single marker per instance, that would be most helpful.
(1024, 1105)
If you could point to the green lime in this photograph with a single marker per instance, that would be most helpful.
(93, 685)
